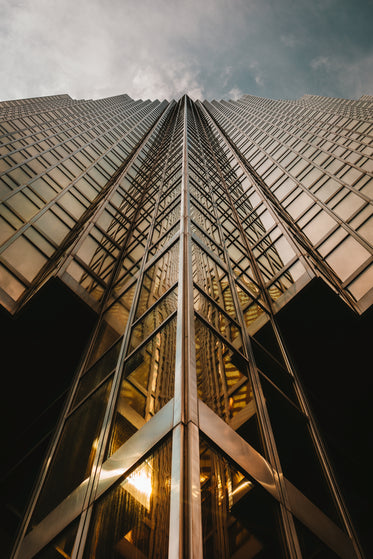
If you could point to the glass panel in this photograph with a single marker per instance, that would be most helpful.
(349, 205)
(296, 450)
(73, 459)
(273, 370)
(147, 385)
(117, 314)
(267, 338)
(207, 241)
(347, 257)
(10, 284)
(363, 283)
(22, 205)
(153, 319)
(132, 519)
(366, 230)
(6, 230)
(24, 257)
(104, 366)
(220, 372)
(213, 314)
(52, 226)
(239, 520)
(312, 547)
(71, 204)
(163, 240)
(62, 546)
(162, 275)
(212, 279)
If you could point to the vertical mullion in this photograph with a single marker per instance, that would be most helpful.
(185, 499)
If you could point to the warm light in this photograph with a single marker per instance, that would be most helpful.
(203, 478)
(139, 484)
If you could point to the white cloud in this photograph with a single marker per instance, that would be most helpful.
(93, 48)
(235, 93)
(163, 49)
(320, 62)
(168, 82)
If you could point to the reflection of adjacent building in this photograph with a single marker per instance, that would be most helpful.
(187, 228)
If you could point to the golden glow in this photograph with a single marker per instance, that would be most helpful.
(139, 484)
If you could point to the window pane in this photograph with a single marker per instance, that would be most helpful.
(24, 257)
(132, 520)
(75, 453)
(62, 546)
(238, 518)
(147, 385)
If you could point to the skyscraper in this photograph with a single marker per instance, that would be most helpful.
(187, 230)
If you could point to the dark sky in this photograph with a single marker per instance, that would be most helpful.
(164, 48)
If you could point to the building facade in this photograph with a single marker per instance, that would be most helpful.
(187, 227)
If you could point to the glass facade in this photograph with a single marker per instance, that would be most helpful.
(186, 226)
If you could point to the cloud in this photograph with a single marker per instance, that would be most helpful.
(320, 62)
(235, 93)
(162, 49)
(171, 81)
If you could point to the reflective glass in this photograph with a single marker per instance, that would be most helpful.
(132, 519)
(153, 319)
(221, 371)
(24, 257)
(162, 275)
(212, 279)
(101, 369)
(10, 284)
(73, 458)
(52, 226)
(347, 257)
(299, 463)
(61, 546)
(147, 385)
(214, 315)
(239, 519)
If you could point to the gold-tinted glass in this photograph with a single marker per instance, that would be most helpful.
(73, 459)
(132, 519)
(238, 518)
(221, 374)
(147, 385)
(162, 275)
(212, 279)
(153, 319)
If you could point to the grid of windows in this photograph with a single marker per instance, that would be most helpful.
(186, 226)
(315, 155)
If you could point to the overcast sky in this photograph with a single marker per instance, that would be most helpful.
(206, 48)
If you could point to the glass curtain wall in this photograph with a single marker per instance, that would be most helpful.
(186, 433)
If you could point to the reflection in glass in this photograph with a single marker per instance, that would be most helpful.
(132, 519)
(238, 518)
(62, 546)
(153, 319)
(214, 315)
(73, 459)
(158, 279)
(212, 279)
(221, 374)
(97, 373)
(147, 385)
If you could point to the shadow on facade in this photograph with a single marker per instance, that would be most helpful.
(41, 348)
